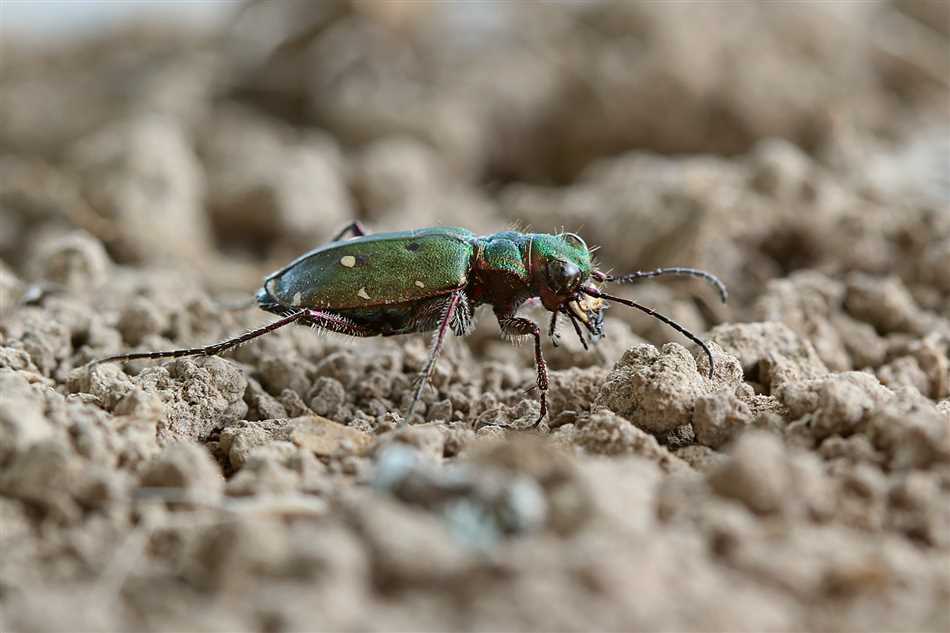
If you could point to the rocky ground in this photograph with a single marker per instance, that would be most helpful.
(150, 176)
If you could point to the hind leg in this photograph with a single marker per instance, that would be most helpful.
(215, 348)
(355, 228)
(315, 318)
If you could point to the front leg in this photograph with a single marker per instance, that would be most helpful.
(519, 326)
(552, 330)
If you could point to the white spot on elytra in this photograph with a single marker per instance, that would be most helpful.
(362, 293)
(420, 284)
(296, 300)
(348, 260)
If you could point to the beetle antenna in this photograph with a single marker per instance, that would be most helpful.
(677, 271)
(593, 292)
(209, 350)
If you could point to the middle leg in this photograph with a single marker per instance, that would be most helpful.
(520, 326)
(448, 315)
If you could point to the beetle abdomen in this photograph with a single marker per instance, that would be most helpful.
(423, 315)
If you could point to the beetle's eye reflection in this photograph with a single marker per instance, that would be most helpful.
(563, 276)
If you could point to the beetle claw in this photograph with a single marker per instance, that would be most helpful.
(544, 410)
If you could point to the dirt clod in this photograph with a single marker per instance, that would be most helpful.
(186, 468)
(654, 389)
(327, 438)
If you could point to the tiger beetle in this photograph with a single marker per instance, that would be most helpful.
(431, 279)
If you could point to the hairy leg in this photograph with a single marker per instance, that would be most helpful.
(316, 318)
(519, 326)
(437, 340)
(215, 348)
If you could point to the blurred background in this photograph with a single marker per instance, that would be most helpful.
(741, 136)
(158, 158)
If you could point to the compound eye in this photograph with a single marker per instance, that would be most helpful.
(563, 276)
(574, 241)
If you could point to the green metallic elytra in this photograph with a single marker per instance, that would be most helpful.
(433, 279)
(376, 270)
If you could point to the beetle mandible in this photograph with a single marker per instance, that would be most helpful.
(431, 279)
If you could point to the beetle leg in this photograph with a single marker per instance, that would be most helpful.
(325, 320)
(519, 326)
(215, 348)
(552, 330)
(577, 330)
(437, 340)
(334, 323)
(355, 227)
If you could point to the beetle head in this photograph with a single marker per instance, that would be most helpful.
(560, 266)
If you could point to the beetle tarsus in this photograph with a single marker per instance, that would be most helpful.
(544, 410)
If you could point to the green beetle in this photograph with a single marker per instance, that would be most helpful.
(432, 279)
